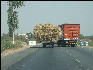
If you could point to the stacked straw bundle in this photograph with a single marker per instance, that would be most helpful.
(47, 32)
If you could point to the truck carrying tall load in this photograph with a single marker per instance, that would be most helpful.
(62, 35)
(48, 34)
(70, 35)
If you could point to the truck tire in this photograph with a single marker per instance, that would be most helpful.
(44, 45)
(52, 44)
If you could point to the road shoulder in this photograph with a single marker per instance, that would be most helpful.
(18, 54)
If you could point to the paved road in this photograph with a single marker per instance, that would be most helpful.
(57, 58)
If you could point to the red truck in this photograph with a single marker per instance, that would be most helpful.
(70, 35)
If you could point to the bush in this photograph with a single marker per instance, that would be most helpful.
(6, 42)
(8, 45)
(89, 37)
(91, 43)
(20, 38)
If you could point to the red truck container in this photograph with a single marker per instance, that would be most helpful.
(70, 34)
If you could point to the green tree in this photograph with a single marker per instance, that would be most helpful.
(81, 36)
(13, 16)
(89, 37)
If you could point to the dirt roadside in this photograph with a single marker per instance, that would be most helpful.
(12, 51)
(15, 50)
(91, 47)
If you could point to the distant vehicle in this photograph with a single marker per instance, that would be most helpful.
(84, 43)
(32, 43)
(69, 38)
(70, 35)
(47, 34)
(81, 43)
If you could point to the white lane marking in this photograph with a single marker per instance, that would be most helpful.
(77, 60)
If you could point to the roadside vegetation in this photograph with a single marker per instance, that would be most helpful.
(7, 42)
(91, 43)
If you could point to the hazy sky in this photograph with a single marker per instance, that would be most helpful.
(55, 12)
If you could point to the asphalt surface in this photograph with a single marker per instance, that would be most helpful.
(57, 58)
(7, 61)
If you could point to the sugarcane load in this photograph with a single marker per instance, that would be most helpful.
(47, 32)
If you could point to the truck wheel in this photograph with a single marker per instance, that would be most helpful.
(62, 45)
(44, 46)
(58, 45)
(52, 46)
